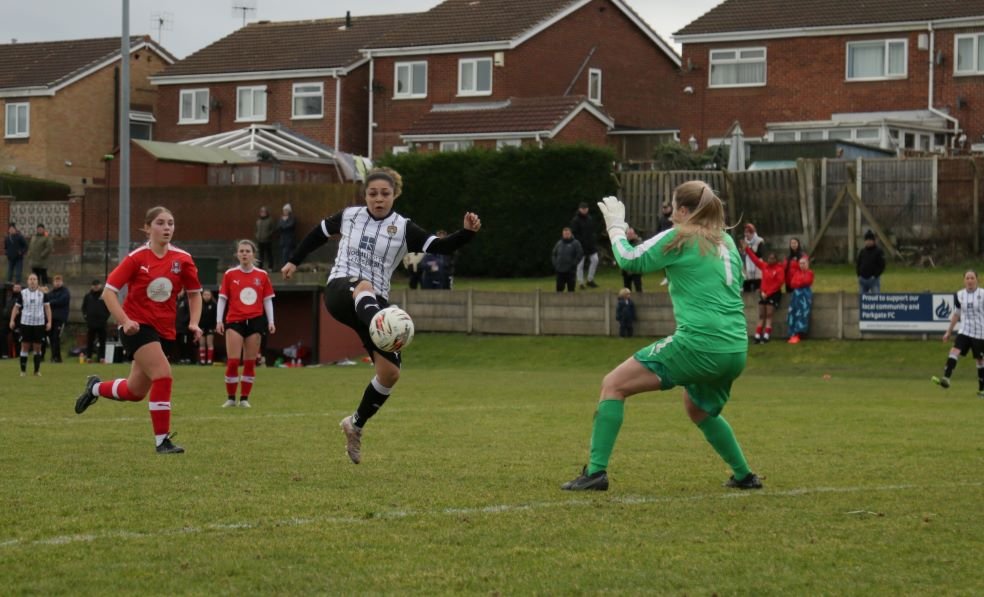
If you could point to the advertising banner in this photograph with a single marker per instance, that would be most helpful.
(905, 312)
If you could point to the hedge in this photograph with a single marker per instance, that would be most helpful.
(525, 196)
(26, 188)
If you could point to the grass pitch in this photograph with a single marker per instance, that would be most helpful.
(873, 480)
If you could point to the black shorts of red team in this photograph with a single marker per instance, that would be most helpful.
(773, 299)
(248, 327)
(145, 335)
(32, 334)
(341, 306)
(965, 343)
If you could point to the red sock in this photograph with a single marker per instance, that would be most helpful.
(201, 354)
(211, 355)
(232, 376)
(160, 405)
(116, 390)
(246, 381)
(758, 330)
(768, 332)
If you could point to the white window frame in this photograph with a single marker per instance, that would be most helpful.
(737, 60)
(295, 95)
(977, 40)
(400, 149)
(409, 94)
(502, 143)
(474, 90)
(254, 116)
(182, 117)
(11, 113)
(887, 45)
(461, 145)
(594, 73)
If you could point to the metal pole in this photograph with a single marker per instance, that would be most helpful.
(124, 224)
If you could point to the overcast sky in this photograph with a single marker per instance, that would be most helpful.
(193, 24)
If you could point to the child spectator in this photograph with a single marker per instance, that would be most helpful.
(770, 294)
(753, 275)
(796, 252)
(801, 282)
(625, 313)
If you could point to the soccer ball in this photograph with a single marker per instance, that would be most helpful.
(391, 329)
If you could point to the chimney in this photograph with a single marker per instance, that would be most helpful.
(348, 19)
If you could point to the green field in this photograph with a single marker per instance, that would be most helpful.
(873, 480)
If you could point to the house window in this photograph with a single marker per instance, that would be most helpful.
(881, 59)
(502, 143)
(251, 103)
(868, 135)
(17, 121)
(400, 149)
(970, 54)
(455, 145)
(194, 106)
(739, 67)
(784, 137)
(843, 134)
(141, 130)
(411, 80)
(309, 100)
(594, 85)
(811, 136)
(474, 76)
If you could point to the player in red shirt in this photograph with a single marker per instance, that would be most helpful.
(247, 291)
(770, 294)
(154, 274)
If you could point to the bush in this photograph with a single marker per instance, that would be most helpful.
(677, 156)
(26, 188)
(525, 196)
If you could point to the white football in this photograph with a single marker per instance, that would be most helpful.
(391, 329)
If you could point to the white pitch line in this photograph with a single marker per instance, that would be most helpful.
(629, 500)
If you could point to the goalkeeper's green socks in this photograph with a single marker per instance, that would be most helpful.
(607, 422)
(719, 434)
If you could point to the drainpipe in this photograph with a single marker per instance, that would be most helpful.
(932, 68)
(338, 108)
(372, 77)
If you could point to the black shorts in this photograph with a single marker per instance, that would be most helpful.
(341, 305)
(751, 285)
(773, 299)
(248, 327)
(146, 335)
(966, 343)
(33, 334)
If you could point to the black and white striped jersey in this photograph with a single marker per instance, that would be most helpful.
(371, 249)
(970, 305)
(32, 304)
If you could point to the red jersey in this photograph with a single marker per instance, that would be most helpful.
(799, 278)
(154, 283)
(245, 292)
(772, 275)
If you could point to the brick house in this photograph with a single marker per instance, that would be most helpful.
(60, 105)
(495, 60)
(899, 74)
(306, 76)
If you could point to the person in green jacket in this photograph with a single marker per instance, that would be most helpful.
(706, 352)
(38, 252)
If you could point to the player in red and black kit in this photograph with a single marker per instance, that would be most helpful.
(247, 291)
(770, 294)
(154, 274)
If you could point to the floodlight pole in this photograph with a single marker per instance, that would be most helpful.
(123, 247)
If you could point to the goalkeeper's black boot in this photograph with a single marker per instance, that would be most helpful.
(87, 398)
(749, 481)
(586, 482)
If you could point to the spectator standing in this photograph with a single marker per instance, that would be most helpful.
(206, 344)
(181, 321)
(154, 273)
(411, 261)
(60, 299)
(96, 316)
(770, 294)
(796, 252)
(5, 329)
(753, 275)
(969, 312)
(35, 321)
(15, 248)
(586, 232)
(625, 313)
(632, 279)
(264, 238)
(286, 227)
(869, 265)
(567, 253)
(665, 218)
(38, 252)
(436, 269)
(801, 302)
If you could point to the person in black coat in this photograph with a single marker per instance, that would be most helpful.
(586, 232)
(206, 344)
(8, 308)
(869, 265)
(567, 253)
(14, 247)
(96, 316)
(60, 299)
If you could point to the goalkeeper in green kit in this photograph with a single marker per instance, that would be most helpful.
(706, 352)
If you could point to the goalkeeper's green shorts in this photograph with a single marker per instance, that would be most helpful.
(707, 377)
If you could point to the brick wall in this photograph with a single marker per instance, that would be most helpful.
(806, 81)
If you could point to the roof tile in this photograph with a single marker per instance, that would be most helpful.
(518, 115)
(46, 64)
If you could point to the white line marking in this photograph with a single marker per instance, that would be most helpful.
(629, 500)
